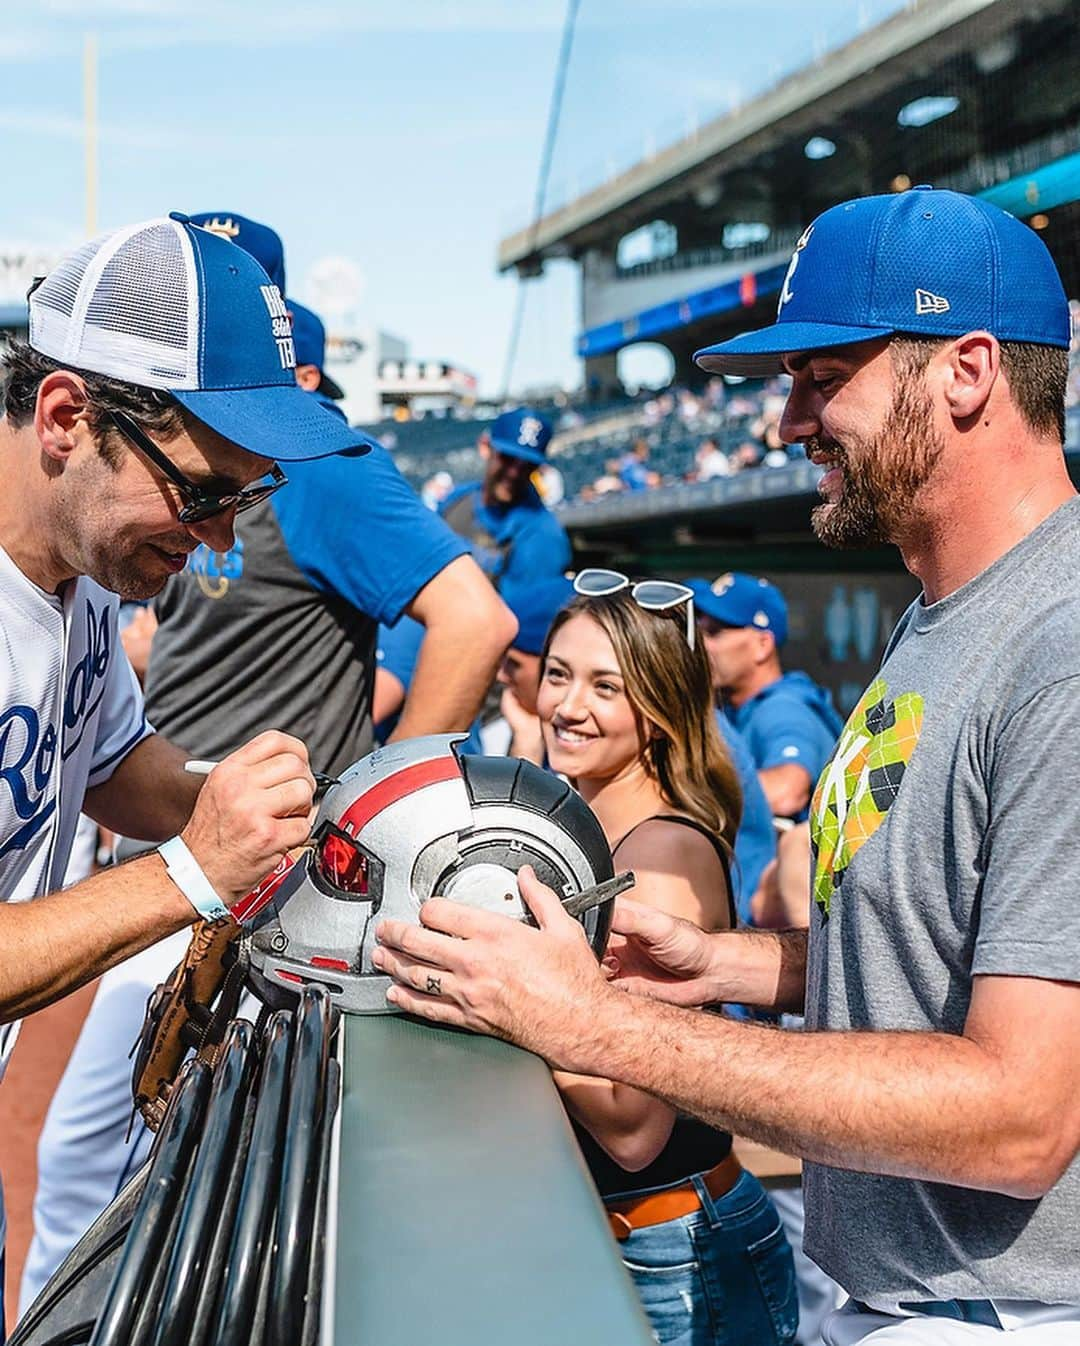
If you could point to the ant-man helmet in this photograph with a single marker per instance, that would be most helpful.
(410, 821)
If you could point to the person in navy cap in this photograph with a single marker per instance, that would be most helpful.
(309, 338)
(788, 721)
(510, 531)
(935, 1096)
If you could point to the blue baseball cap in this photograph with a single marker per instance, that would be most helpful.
(740, 600)
(522, 433)
(535, 607)
(309, 338)
(923, 262)
(258, 239)
(166, 304)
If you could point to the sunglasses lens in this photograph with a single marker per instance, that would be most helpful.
(254, 497)
(660, 593)
(204, 509)
(598, 583)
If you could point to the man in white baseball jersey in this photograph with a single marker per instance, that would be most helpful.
(149, 407)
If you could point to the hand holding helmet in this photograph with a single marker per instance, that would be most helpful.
(415, 821)
(472, 969)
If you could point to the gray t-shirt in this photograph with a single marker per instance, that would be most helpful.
(947, 844)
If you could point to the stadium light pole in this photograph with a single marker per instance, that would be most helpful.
(541, 186)
(90, 130)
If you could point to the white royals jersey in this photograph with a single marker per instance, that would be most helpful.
(70, 710)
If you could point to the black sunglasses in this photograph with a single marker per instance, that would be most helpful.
(199, 504)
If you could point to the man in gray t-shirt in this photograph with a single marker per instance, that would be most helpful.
(935, 1096)
(948, 848)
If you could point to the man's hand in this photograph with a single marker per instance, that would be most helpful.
(252, 810)
(658, 955)
(540, 988)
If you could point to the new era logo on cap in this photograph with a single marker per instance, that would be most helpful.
(925, 302)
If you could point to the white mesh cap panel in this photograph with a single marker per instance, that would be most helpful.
(60, 289)
(125, 306)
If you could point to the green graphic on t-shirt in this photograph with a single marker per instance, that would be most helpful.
(861, 781)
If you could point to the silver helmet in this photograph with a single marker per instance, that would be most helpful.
(410, 821)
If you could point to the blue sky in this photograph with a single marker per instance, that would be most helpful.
(403, 138)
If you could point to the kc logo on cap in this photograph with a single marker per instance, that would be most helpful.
(529, 433)
(787, 294)
(226, 227)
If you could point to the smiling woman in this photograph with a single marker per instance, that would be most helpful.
(626, 707)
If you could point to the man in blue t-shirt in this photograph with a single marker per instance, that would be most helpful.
(511, 533)
(788, 721)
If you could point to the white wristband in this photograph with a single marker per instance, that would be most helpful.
(186, 872)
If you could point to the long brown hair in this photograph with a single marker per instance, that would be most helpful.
(669, 688)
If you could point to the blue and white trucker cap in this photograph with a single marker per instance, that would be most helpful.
(165, 304)
(924, 262)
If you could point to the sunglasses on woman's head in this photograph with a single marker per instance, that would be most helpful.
(652, 595)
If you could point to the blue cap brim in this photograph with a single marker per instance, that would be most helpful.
(757, 354)
(282, 421)
(513, 450)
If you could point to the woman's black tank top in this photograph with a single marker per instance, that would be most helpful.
(692, 1146)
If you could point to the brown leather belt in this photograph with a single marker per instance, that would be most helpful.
(673, 1203)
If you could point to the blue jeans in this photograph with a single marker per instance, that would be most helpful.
(723, 1276)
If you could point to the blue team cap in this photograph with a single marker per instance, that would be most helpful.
(165, 304)
(258, 239)
(523, 433)
(309, 338)
(924, 262)
(743, 600)
(535, 606)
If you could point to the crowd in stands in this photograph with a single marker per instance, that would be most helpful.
(636, 444)
(639, 443)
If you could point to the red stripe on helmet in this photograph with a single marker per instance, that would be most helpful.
(395, 787)
(253, 902)
(331, 964)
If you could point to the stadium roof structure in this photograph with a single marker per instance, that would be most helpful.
(889, 54)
